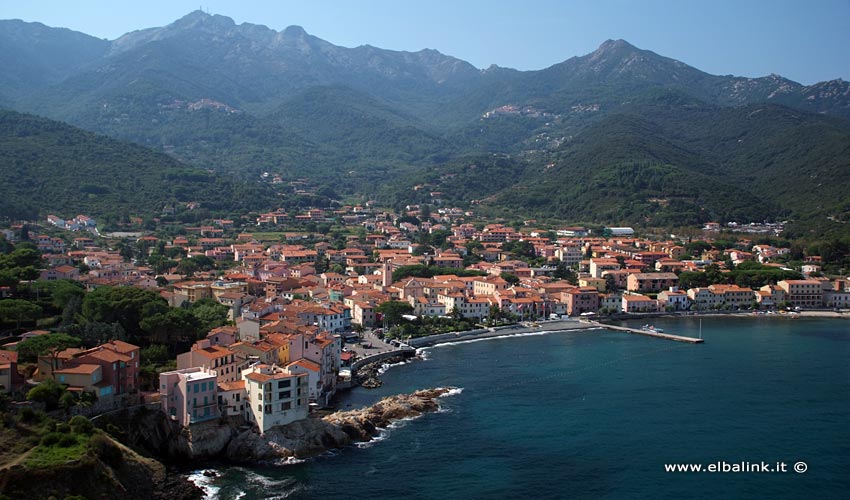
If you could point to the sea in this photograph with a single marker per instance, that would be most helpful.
(593, 414)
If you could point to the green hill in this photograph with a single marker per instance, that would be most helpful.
(48, 167)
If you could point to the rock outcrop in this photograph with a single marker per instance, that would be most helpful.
(152, 432)
(313, 436)
(369, 375)
(109, 470)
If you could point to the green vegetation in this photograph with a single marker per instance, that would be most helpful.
(746, 274)
(30, 349)
(422, 271)
(50, 167)
(393, 311)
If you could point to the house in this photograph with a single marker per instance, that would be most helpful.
(119, 362)
(581, 300)
(10, 379)
(63, 272)
(802, 293)
(734, 296)
(190, 395)
(213, 357)
(633, 303)
(651, 282)
(274, 396)
(704, 299)
(84, 377)
(231, 398)
(674, 300)
(599, 265)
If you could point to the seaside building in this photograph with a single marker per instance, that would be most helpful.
(274, 396)
(190, 395)
(802, 293)
(581, 300)
(704, 299)
(674, 299)
(633, 303)
(651, 282)
(733, 295)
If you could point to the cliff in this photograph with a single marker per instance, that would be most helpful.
(152, 432)
(313, 436)
(108, 470)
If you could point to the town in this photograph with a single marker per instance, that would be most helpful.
(291, 301)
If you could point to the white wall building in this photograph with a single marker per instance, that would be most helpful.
(274, 396)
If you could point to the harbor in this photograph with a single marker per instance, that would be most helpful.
(652, 332)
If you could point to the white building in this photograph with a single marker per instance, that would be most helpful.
(621, 231)
(274, 396)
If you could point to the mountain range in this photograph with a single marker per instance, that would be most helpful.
(619, 135)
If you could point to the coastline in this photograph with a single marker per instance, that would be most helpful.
(548, 326)
(552, 326)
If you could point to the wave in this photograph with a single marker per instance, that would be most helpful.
(204, 479)
(289, 461)
(386, 366)
(454, 391)
(384, 432)
(497, 337)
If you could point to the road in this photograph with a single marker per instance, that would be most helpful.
(377, 345)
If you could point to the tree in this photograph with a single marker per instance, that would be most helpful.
(155, 354)
(512, 279)
(610, 284)
(94, 333)
(62, 291)
(522, 249)
(174, 327)
(48, 392)
(123, 305)
(18, 310)
(30, 349)
(393, 311)
(210, 314)
(563, 272)
(495, 314)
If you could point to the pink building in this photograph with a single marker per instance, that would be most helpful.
(189, 396)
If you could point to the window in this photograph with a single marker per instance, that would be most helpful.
(284, 383)
(284, 395)
(286, 406)
(268, 409)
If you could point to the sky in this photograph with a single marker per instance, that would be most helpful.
(804, 41)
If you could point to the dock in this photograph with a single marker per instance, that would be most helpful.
(650, 333)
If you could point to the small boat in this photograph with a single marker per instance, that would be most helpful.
(651, 329)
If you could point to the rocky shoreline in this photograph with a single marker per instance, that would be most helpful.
(369, 375)
(230, 441)
(314, 436)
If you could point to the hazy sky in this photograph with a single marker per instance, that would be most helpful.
(804, 41)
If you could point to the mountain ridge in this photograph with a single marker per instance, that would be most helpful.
(245, 99)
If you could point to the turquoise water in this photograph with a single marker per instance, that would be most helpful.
(597, 414)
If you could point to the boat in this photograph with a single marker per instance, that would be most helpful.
(652, 329)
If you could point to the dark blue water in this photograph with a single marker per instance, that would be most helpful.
(597, 414)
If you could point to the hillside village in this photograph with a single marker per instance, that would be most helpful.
(295, 299)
